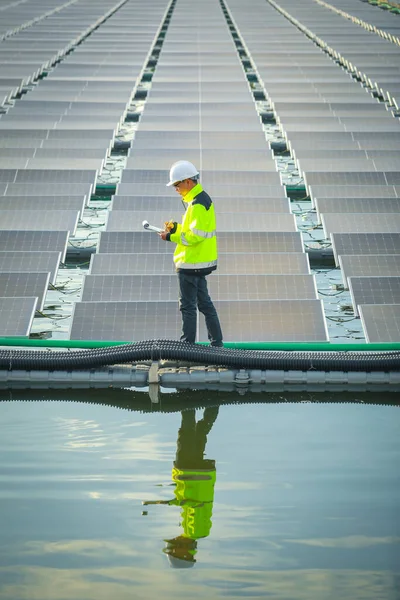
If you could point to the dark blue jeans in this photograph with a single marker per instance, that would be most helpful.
(193, 294)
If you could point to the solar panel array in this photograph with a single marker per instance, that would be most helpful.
(190, 115)
(344, 141)
(55, 139)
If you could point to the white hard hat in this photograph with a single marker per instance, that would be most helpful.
(182, 169)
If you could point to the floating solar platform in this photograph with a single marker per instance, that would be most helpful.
(356, 205)
(24, 284)
(30, 262)
(16, 316)
(374, 290)
(263, 263)
(364, 243)
(167, 203)
(239, 241)
(34, 241)
(132, 221)
(360, 223)
(380, 322)
(31, 220)
(370, 265)
(270, 321)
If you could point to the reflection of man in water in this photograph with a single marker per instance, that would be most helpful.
(194, 477)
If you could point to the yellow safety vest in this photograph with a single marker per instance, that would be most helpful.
(196, 237)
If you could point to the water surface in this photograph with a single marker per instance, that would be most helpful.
(305, 504)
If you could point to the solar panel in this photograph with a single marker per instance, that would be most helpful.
(342, 153)
(357, 205)
(374, 290)
(174, 109)
(182, 140)
(132, 221)
(268, 263)
(224, 191)
(262, 287)
(207, 177)
(158, 288)
(34, 241)
(16, 316)
(131, 264)
(55, 176)
(332, 165)
(360, 223)
(14, 285)
(369, 265)
(53, 220)
(347, 178)
(133, 288)
(369, 125)
(365, 243)
(270, 321)
(125, 321)
(228, 263)
(187, 123)
(242, 241)
(31, 261)
(210, 160)
(352, 191)
(64, 163)
(380, 322)
(47, 189)
(70, 203)
(167, 203)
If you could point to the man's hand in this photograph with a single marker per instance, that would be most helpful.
(163, 235)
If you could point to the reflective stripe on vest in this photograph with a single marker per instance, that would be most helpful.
(184, 241)
(200, 265)
(204, 234)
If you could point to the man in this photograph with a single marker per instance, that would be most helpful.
(196, 252)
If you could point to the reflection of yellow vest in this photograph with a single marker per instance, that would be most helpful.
(194, 492)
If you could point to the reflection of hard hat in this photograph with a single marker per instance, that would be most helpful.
(179, 563)
(183, 169)
(180, 552)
